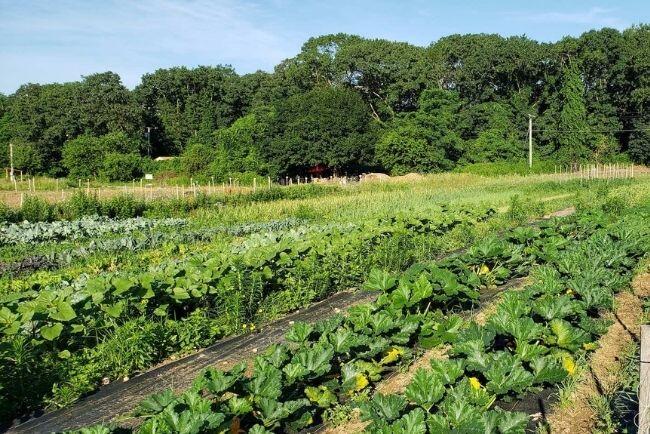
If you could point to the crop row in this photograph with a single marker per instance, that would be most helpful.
(50, 325)
(532, 341)
(86, 227)
(336, 359)
(144, 239)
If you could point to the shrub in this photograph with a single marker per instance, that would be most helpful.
(196, 158)
(123, 206)
(80, 204)
(8, 214)
(121, 167)
(507, 168)
(82, 157)
(35, 209)
(85, 156)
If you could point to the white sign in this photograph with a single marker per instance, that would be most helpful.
(148, 176)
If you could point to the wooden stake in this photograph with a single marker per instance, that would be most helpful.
(254, 185)
(644, 384)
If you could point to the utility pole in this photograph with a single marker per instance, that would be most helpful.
(530, 141)
(149, 140)
(11, 161)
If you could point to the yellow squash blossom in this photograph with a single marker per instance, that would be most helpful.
(391, 356)
(361, 381)
(569, 365)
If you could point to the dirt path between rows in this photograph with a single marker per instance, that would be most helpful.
(578, 417)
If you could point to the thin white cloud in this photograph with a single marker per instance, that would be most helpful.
(595, 16)
(132, 38)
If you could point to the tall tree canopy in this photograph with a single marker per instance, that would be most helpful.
(352, 104)
(326, 125)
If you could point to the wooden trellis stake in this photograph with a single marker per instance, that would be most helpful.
(644, 385)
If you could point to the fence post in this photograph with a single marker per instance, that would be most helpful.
(644, 384)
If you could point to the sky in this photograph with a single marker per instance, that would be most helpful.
(45, 41)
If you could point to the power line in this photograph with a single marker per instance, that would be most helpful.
(592, 131)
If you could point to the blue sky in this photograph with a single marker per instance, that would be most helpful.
(48, 41)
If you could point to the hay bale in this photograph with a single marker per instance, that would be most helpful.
(369, 177)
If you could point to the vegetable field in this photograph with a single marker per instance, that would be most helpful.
(465, 292)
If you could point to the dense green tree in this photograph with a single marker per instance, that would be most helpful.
(239, 147)
(464, 98)
(490, 134)
(196, 158)
(182, 103)
(636, 117)
(49, 115)
(327, 125)
(423, 141)
(485, 67)
(573, 131)
(27, 157)
(84, 156)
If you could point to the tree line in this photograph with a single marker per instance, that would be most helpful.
(348, 104)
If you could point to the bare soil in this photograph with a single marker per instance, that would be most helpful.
(578, 416)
